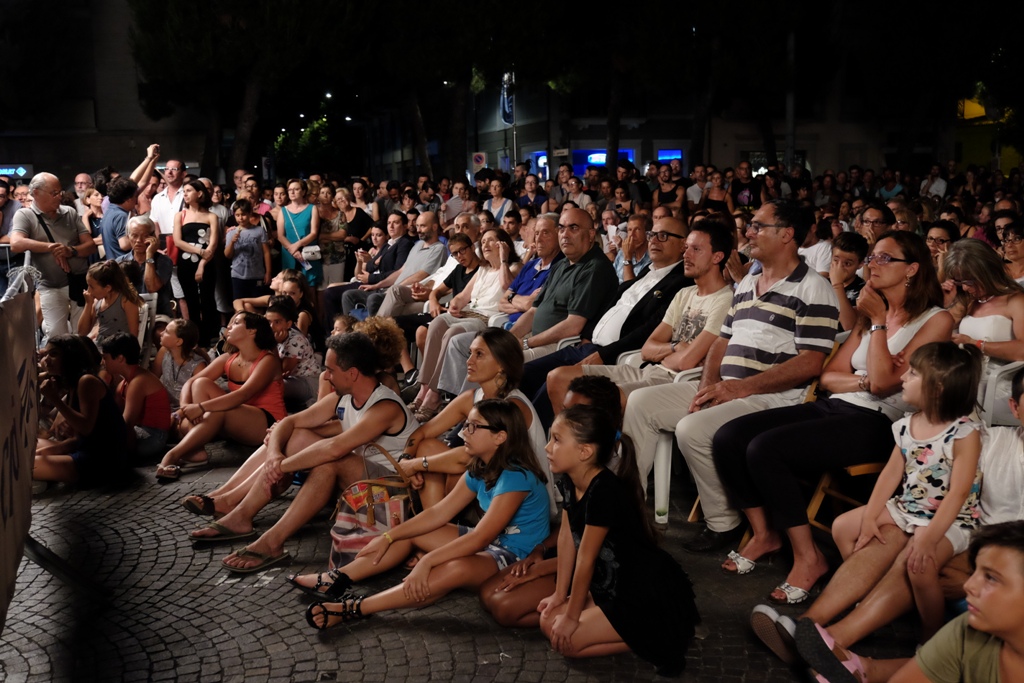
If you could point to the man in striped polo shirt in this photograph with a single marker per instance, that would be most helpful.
(772, 344)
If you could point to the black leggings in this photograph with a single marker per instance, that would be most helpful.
(759, 457)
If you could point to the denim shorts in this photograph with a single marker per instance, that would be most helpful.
(502, 556)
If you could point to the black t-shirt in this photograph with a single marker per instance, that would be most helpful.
(458, 279)
(745, 195)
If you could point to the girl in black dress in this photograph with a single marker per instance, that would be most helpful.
(611, 573)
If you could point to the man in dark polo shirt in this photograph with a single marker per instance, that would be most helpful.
(580, 287)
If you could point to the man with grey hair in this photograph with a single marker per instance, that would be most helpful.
(59, 243)
(83, 181)
(156, 267)
(404, 299)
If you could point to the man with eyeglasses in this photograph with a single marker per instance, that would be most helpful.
(639, 306)
(59, 243)
(83, 181)
(875, 220)
(773, 343)
(629, 254)
(171, 200)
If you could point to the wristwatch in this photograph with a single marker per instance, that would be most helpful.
(875, 328)
(526, 344)
(426, 464)
(510, 297)
(150, 260)
(74, 252)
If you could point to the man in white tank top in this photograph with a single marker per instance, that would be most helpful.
(329, 449)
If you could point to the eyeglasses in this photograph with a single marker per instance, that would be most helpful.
(171, 169)
(873, 222)
(937, 240)
(883, 259)
(469, 428)
(458, 252)
(662, 236)
(52, 193)
(757, 226)
(1013, 239)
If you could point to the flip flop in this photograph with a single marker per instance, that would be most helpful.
(224, 534)
(830, 663)
(169, 473)
(204, 507)
(186, 466)
(265, 561)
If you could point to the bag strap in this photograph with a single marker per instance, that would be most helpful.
(288, 215)
(391, 459)
(46, 229)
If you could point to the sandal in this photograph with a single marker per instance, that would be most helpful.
(794, 594)
(829, 662)
(336, 588)
(165, 474)
(743, 565)
(350, 611)
(415, 406)
(425, 414)
(204, 507)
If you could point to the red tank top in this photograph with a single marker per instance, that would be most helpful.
(271, 399)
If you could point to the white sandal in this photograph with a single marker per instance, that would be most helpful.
(794, 595)
(743, 565)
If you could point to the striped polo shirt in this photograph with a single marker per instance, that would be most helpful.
(796, 314)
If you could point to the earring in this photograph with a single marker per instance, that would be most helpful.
(908, 282)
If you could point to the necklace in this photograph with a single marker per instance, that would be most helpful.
(985, 300)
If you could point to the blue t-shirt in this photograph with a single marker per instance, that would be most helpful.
(113, 226)
(530, 525)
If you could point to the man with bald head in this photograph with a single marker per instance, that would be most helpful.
(59, 243)
(637, 307)
(427, 255)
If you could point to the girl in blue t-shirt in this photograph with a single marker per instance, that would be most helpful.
(503, 476)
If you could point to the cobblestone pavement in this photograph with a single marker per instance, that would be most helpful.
(174, 614)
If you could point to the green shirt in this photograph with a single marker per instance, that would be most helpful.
(960, 653)
(585, 288)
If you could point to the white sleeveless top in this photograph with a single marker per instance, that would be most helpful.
(393, 443)
(487, 291)
(893, 406)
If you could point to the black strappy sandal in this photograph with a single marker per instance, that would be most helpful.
(350, 611)
(335, 589)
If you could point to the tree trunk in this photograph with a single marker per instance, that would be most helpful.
(419, 132)
(458, 155)
(247, 115)
(614, 121)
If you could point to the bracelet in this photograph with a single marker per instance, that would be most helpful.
(388, 536)
(201, 407)
(862, 383)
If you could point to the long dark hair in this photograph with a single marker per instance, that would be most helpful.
(78, 357)
(923, 290)
(508, 351)
(596, 424)
(515, 453)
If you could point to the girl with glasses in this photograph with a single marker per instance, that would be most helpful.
(504, 477)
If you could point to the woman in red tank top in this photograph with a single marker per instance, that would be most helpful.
(254, 403)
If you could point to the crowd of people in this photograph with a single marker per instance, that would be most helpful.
(472, 338)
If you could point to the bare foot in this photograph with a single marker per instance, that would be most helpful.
(756, 548)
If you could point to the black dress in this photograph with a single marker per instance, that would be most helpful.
(199, 296)
(643, 592)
